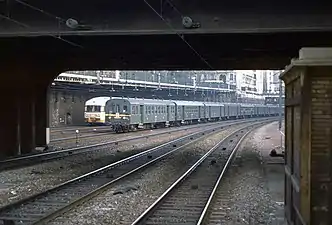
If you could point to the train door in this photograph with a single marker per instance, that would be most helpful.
(141, 110)
(204, 112)
(167, 113)
(176, 112)
(68, 119)
(221, 109)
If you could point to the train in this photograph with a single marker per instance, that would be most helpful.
(95, 110)
(129, 114)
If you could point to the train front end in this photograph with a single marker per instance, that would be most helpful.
(95, 111)
(118, 115)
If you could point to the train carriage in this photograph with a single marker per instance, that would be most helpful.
(247, 110)
(188, 112)
(233, 110)
(157, 113)
(130, 114)
(213, 111)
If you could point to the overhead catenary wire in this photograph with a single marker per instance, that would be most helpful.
(59, 19)
(180, 35)
(41, 10)
(51, 35)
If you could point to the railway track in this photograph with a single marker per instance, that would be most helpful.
(101, 132)
(73, 135)
(18, 162)
(189, 199)
(43, 207)
(60, 135)
(73, 128)
(111, 133)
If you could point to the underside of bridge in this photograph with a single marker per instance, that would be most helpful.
(150, 34)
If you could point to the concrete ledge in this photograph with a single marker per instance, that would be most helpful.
(315, 53)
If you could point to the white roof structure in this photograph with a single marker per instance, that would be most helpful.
(97, 101)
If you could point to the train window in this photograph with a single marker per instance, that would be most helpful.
(89, 108)
(146, 110)
(125, 108)
(149, 109)
(117, 108)
(155, 109)
(137, 110)
(158, 109)
(133, 110)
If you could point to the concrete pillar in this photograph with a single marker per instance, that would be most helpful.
(27, 120)
(42, 125)
(308, 142)
(9, 129)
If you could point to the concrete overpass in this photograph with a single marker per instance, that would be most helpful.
(231, 35)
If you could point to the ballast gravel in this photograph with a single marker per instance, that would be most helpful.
(21, 183)
(126, 200)
(248, 196)
(108, 137)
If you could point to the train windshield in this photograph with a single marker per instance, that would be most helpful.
(93, 108)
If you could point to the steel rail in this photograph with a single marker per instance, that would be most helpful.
(69, 185)
(16, 162)
(172, 189)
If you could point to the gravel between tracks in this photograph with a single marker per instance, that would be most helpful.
(83, 141)
(250, 199)
(140, 190)
(24, 182)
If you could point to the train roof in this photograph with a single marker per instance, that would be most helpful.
(232, 103)
(189, 103)
(144, 101)
(213, 104)
(248, 105)
(97, 101)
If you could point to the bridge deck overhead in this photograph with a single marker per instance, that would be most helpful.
(131, 35)
(37, 17)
